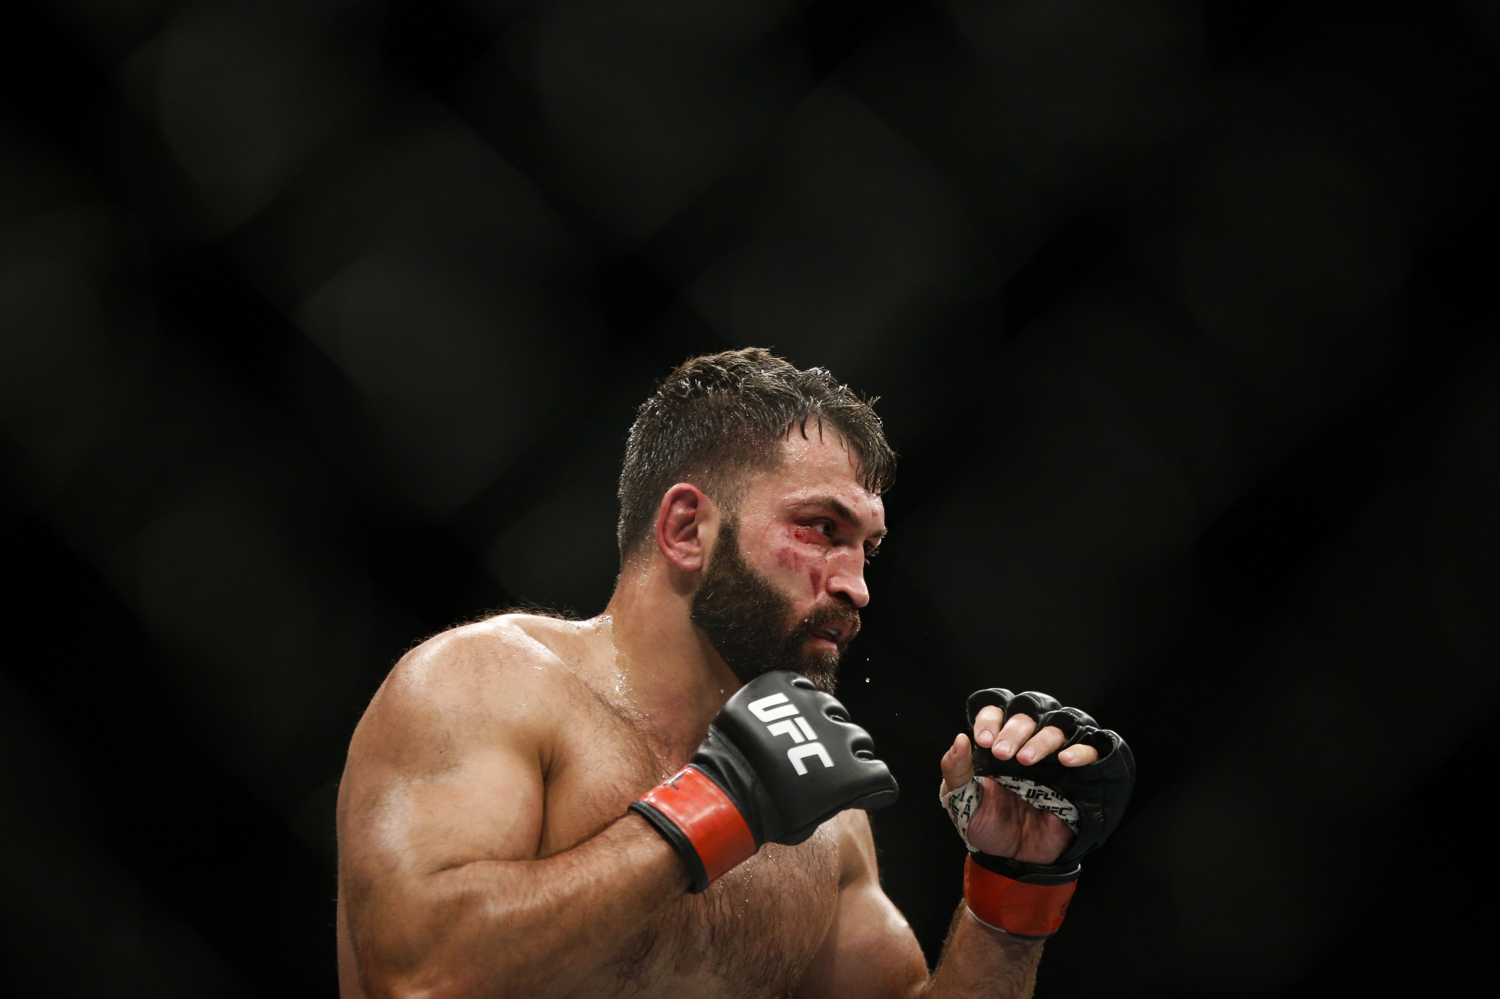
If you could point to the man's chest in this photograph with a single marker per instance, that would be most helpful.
(752, 933)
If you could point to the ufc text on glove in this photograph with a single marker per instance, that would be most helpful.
(780, 759)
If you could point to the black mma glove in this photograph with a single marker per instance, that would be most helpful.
(780, 759)
(1031, 899)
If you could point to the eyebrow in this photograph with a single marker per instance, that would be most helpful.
(844, 513)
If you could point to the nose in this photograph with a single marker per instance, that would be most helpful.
(847, 580)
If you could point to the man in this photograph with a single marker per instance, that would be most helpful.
(516, 817)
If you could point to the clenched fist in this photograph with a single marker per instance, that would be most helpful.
(1051, 784)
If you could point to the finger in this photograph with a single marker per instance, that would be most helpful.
(1041, 745)
(958, 765)
(1078, 756)
(986, 724)
(1014, 735)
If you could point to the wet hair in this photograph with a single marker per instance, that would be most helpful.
(719, 417)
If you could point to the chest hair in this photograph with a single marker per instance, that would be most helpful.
(753, 932)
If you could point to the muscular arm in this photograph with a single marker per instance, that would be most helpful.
(871, 950)
(871, 953)
(440, 827)
(978, 961)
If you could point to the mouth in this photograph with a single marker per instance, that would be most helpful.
(830, 637)
(830, 629)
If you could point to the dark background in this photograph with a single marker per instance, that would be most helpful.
(322, 323)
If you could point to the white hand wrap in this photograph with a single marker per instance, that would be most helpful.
(963, 803)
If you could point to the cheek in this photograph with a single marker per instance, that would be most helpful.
(805, 555)
(791, 559)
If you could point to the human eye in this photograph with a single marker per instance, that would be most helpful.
(816, 531)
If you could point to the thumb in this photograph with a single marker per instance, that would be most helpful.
(958, 764)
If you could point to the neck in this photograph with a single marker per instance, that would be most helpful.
(666, 665)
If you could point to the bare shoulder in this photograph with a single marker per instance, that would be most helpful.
(870, 949)
(512, 677)
(448, 764)
(857, 858)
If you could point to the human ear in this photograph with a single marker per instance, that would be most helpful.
(684, 526)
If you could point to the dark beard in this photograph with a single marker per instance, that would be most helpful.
(747, 620)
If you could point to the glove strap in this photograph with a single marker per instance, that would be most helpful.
(1029, 904)
(700, 820)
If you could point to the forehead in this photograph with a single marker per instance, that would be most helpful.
(819, 465)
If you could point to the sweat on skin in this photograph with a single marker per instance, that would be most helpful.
(485, 844)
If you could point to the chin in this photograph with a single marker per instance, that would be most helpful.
(822, 669)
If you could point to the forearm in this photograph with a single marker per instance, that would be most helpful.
(529, 927)
(978, 961)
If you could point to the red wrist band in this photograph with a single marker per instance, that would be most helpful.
(706, 818)
(1018, 908)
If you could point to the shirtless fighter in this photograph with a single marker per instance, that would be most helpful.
(666, 800)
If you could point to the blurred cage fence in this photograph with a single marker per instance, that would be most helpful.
(322, 322)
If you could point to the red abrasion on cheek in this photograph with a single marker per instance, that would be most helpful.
(793, 560)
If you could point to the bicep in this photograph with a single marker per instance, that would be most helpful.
(428, 789)
(485, 806)
(870, 949)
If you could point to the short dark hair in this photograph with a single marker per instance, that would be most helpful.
(721, 416)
